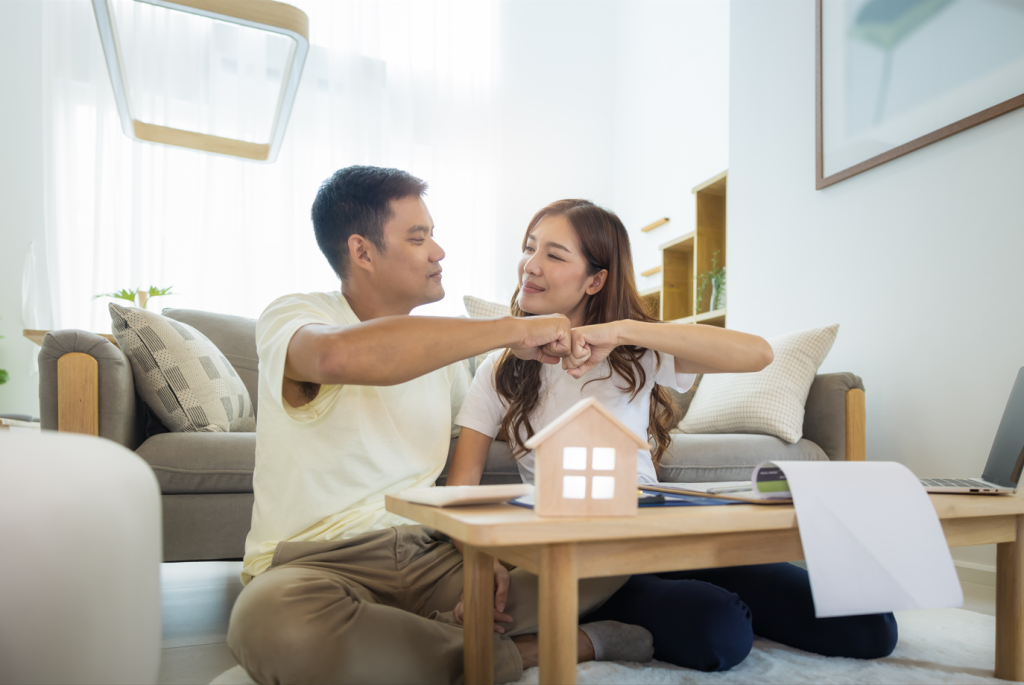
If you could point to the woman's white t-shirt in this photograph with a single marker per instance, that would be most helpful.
(484, 408)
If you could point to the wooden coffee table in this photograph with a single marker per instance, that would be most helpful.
(561, 551)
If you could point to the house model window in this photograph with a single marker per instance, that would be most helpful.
(586, 464)
(575, 459)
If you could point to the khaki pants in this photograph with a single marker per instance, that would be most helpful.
(374, 609)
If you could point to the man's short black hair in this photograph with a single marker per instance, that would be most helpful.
(356, 200)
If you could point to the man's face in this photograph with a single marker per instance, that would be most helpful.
(410, 270)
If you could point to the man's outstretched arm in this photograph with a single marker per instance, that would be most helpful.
(395, 349)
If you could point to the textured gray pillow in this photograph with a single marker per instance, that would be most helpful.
(181, 375)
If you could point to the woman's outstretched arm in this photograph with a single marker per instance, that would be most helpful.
(697, 348)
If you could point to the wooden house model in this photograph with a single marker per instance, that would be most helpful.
(586, 464)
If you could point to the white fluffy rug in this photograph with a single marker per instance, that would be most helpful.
(937, 646)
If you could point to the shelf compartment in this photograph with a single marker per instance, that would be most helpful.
(710, 233)
(716, 185)
(715, 318)
(683, 243)
(677, 281)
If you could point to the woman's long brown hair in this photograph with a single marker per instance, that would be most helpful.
(605, 245)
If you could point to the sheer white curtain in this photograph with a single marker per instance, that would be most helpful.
(403, 84)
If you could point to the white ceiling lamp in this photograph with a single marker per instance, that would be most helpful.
(279, 19)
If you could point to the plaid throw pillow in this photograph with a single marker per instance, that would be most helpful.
(769, 402)
(181, 375)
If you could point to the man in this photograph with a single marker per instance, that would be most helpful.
(356, 401)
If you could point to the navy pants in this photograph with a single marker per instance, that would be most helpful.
(706, 620)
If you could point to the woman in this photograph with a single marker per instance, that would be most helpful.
(576, 262)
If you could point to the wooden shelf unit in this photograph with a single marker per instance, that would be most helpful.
(684, 258)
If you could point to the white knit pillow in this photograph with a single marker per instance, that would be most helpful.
(771, 401)
(482, 309)
(181, 374)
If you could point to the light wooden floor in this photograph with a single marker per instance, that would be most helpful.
(197, 601)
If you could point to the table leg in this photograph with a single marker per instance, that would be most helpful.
(1010, 607)
(558, 614)
(478, 605)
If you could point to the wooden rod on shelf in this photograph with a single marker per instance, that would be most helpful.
(650, 272)
(651, 227)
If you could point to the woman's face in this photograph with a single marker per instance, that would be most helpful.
(553, 272)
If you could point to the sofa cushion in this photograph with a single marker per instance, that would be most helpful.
(768, 402)
(707, 458)
(234, 336)
(193, 463)
(500, 468)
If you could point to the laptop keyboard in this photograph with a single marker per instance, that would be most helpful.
(950, 483)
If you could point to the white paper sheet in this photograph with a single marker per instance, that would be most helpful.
(871, 538)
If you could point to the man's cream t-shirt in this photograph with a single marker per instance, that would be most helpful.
(322, 469)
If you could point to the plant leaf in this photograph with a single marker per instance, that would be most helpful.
(123, 294)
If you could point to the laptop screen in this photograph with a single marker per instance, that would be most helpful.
(1006, 459)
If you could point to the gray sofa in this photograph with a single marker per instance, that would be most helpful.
(206, 478)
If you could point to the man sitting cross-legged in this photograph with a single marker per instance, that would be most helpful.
(356, 401)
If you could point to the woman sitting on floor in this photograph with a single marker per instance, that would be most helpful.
(576, 262)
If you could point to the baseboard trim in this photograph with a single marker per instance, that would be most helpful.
(971, 572)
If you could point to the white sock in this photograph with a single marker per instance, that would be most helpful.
(614, 641)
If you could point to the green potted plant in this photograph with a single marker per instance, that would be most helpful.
(143, 296)
(716, 277)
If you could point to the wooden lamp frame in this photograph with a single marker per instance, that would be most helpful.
(265, 15)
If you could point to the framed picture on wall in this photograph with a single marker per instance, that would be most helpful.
(896, 75)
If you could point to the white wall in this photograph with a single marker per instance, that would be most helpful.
(555, 73)
(623, 103)
(671, 103)
(919, 259)
(21, 191)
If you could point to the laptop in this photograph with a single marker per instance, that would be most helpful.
(1005, 461)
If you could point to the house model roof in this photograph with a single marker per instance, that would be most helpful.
(574, 411)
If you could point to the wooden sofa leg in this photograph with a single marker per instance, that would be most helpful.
(78, 394)
(856, 426)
